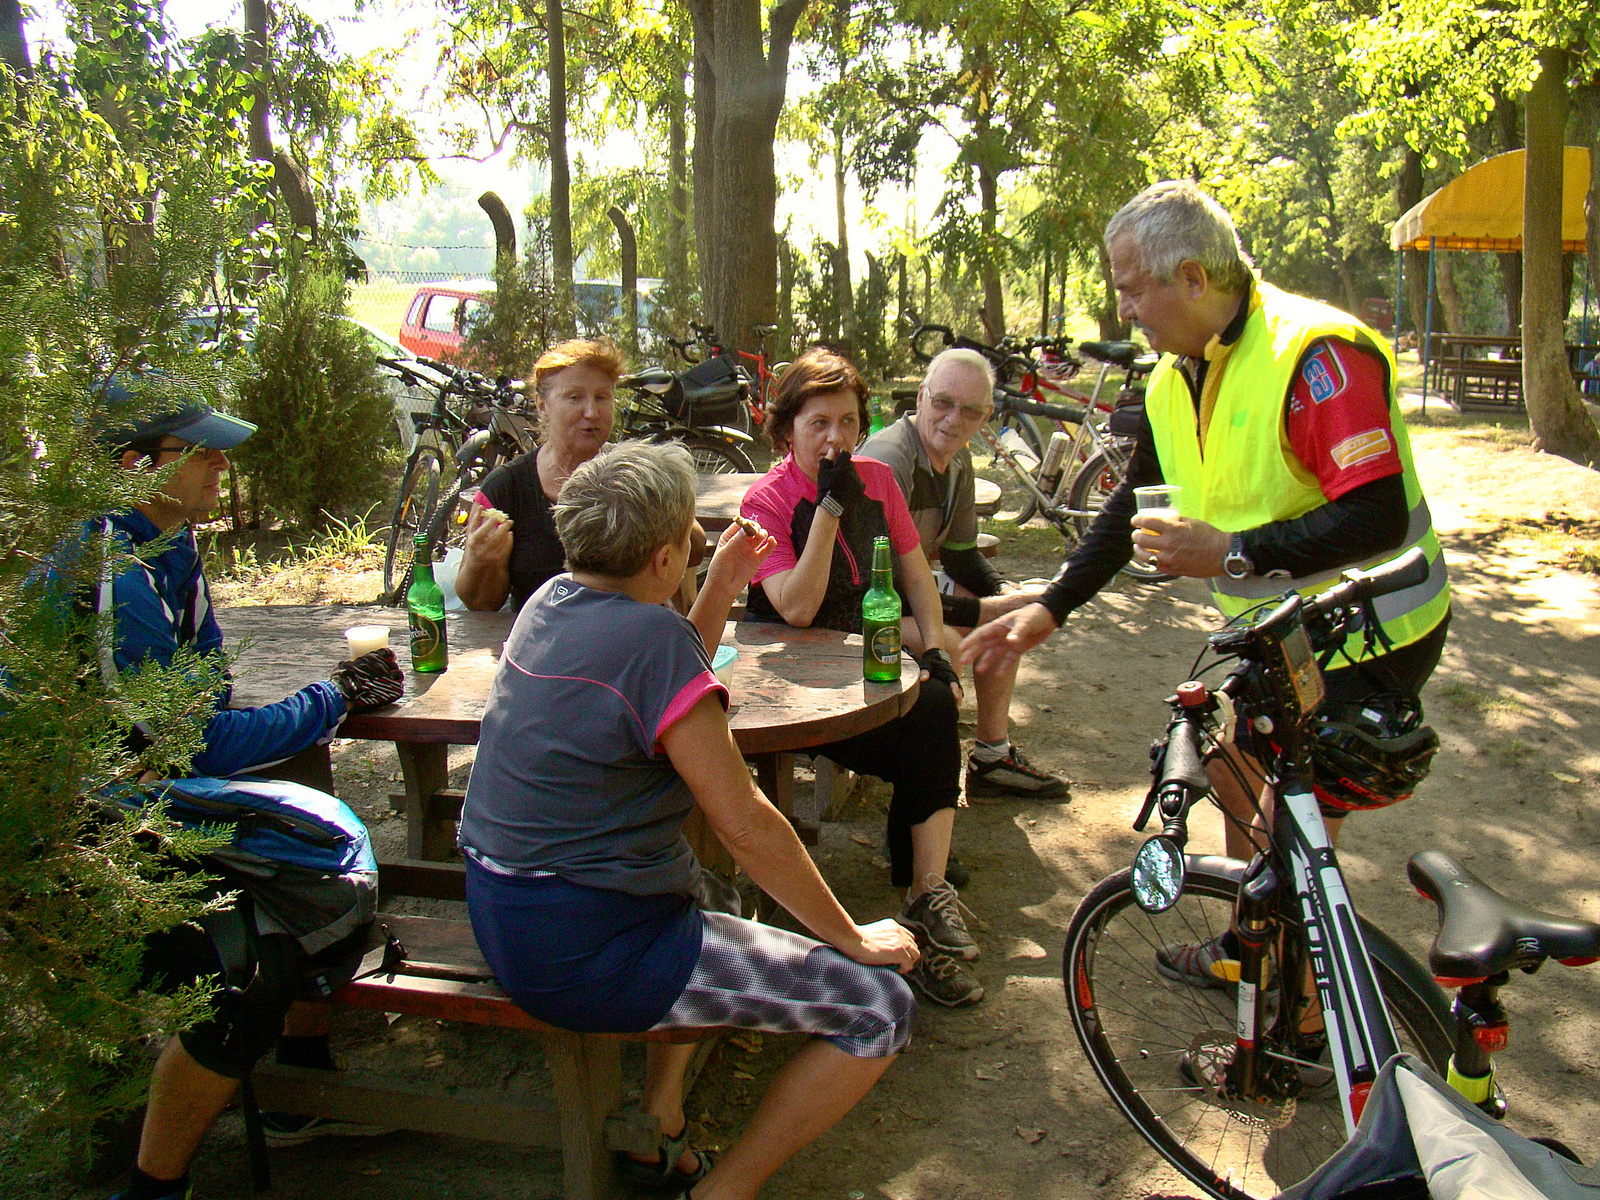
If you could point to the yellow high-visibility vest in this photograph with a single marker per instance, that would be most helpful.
(1238, 471)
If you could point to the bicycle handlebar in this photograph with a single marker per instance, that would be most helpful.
(1011, 401)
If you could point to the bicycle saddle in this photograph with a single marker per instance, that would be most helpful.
(1482, 933)
(651, 379)
(765, 330)
(1122, 354)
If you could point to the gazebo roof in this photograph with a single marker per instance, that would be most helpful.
(1481, 209)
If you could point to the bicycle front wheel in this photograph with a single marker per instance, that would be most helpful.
(1136, 1026)
(413, 510)
(1024, 428)
(1091, 488)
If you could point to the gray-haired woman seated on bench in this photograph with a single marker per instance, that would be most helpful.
(604, 726)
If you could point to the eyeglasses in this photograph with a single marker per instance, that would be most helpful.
(945, 406)
(185, 447)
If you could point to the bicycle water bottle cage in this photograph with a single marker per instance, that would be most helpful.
(1482, 933)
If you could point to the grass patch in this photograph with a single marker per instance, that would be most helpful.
(1557, 537)
(343, 546)
(1463, 696)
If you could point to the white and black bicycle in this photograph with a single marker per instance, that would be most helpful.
(1249, 1081)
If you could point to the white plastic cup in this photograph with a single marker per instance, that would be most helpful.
(1158, 500)
(363, 639)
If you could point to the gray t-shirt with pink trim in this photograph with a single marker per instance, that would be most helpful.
(570, 776)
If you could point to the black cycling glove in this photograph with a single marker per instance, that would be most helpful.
(838, 481)
(939, 667)
(372, 681)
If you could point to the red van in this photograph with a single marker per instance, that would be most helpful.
(436, 324)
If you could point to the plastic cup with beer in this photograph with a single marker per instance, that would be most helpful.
(363, 639)
(1158, 500)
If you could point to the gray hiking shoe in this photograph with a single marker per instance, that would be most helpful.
(1212, 963)
(935, 917)
(1012, 775)
(942, 980)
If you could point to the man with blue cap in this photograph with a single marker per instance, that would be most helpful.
(161, 605)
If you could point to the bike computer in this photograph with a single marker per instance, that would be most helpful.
(1287, 654)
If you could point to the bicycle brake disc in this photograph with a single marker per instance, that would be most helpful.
(1207, 1064)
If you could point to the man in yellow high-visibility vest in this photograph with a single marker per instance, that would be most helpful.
(1278, 417)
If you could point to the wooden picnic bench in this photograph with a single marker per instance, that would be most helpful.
(444, 977)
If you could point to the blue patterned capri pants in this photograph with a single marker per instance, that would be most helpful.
(752, 976)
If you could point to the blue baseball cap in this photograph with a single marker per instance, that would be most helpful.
(194, 421)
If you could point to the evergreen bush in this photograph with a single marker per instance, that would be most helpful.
(325, 417)
(525, 315)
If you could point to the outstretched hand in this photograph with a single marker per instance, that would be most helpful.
(741, 549)
(1000, 645)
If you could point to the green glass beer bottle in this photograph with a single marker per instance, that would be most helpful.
(880, 620)
(425, 614)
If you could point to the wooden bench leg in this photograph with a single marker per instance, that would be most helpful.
(587, 1073)
(425, 767)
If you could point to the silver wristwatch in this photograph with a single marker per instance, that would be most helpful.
(1236, 564)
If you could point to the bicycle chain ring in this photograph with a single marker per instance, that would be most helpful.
(1210, 1054)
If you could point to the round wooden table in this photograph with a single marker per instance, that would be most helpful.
(791, 689)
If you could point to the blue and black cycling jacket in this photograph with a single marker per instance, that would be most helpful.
(163, 603)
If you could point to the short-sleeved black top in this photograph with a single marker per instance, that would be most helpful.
(536, 553)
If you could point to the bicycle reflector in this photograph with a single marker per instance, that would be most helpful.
(1371, 753)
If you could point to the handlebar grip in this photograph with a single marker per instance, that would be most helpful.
(1409, 570)
(1184, 764)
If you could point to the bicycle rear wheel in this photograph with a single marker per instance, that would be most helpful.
(1135, 1026)
(413, 510)
(1091, 488)
(713, 455)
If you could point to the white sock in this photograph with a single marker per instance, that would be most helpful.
(991, 751)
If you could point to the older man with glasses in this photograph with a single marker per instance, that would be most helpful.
(927, 450)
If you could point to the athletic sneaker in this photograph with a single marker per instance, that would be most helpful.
(288, 1129)
(942, 980)
(1211, 963)
(1012, 775)
(935, 917)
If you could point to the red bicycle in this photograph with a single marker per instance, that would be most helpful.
(762, 376)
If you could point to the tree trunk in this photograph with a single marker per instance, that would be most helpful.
(844, 294)
(902, 295)
(630, 279)
(783, 343)
(1507, 120)
(750, 83)
(1408, 193)
(703, 161)
(1112, 327)
(1044, 296)
(1449, 295)
(13, 41)
(1561, 424)
(677, 191)
(1588, 99)
(505, 230)
(994, 300)
(287, 175)
(560, 177)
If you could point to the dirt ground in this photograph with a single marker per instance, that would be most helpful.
(996, 1102)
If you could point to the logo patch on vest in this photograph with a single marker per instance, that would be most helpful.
(1324, 375)
(1359, 448)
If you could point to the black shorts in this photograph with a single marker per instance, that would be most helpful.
(245, 1022)
(1402, 670)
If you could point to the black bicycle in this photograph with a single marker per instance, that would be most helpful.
(1248, 1079)
(475, 425)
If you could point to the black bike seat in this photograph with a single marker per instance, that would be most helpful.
(1120, 353)
(1482, 933)
(765, 330)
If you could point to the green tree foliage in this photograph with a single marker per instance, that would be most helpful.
(526, 315)
(318, 399)
(80, 888)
